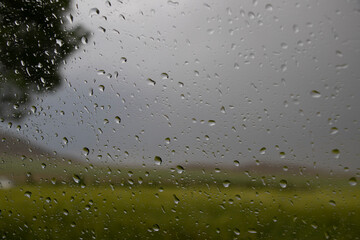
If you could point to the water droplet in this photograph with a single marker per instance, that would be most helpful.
(269, 7)
(263, 150)
(33, 109)
(172, 3)
(164, 75)
(237, 231)
(334, 130)
(108, 3)
(157, 160)
(65, 140)
(70, 18)
(339, 53)
(210, 31)
(251, 15)
(167, 140)
(176, 199)
(342, 66)
(336, 153)
(123, 60)
(151, 82)
(283, 183)
(28, 194)
(94, 11)
(332, 203)
(236, 163)
(222, 109)
(252, 230)
(76, 178)
(226, 183)
(101, 88)
(84, 40)
(65, 212)
(296, 28)
(53, 180)
(315, 94)
(284, 45)
(85, 151)
(352, 181)
(156, 228)
(211, 122)
(179, 169)
(59, 42)
(117, 119)
(43, 165)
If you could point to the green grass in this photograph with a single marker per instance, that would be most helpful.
(170, 212)
(164, 203)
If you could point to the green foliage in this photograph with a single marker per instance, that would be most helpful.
(33, 44)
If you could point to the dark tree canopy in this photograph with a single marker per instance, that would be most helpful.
(33, 44)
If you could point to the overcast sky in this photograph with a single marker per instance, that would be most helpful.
(209, 82)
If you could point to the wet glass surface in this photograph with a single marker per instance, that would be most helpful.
(179, 119)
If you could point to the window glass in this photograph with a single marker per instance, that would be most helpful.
(179, 119)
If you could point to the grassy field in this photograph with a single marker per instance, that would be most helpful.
(170, 212)
(62, 199)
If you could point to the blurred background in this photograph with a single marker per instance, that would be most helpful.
(200, 83)
(254, 95)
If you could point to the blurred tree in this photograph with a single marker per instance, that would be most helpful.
(33, 44)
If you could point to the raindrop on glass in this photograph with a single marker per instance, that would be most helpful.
(164, 75)
(179, 169)
(269, 7)
(85, 151)
(94, 11)
(262, 150)
(336, 153)
(117, 119)
(211, 122)
(28, 194)
(315, 94)
(226, 183)
(76, 178)
(334, 130)
(283, 183)
(151, 82)
(157, 160)
(352, 181)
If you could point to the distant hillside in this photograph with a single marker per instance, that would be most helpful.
(20, 159)
(24, 163)
(17, 146)
(271, 168)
